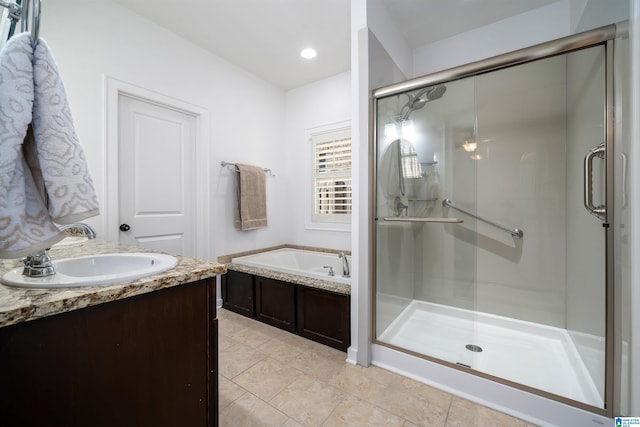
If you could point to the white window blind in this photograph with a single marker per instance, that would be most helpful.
(332, 176)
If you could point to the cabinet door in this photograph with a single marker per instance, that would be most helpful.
(323, 316)
(275, 303)
(144, 360)
(237, 293)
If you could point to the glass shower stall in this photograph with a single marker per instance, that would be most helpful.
(493, 216)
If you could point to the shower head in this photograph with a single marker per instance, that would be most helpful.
(421, 98)
(436, 92)
(416, 103)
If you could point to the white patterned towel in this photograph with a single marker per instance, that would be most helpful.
(43, 173)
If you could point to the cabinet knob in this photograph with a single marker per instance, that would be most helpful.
(124, 227)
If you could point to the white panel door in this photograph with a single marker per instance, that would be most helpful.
(157, 176)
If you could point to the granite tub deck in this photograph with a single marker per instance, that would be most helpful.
(326, 285)
(20, 305)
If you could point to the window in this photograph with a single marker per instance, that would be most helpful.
(331, 175)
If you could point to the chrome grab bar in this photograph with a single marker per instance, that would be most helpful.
(517, 233)
(418, 219)
(599, 211)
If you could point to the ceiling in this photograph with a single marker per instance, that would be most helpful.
(265, 37)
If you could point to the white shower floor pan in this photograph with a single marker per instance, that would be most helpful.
(531, 354)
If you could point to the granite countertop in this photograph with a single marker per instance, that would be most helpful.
(20, 305)
(326, 285)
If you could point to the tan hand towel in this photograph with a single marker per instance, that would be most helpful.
(251, 198)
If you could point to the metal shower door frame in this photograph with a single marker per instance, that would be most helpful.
(604, 36)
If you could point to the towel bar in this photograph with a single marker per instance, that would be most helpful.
(266, 170)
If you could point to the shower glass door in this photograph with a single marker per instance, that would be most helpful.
(486, 258)
(425, 269)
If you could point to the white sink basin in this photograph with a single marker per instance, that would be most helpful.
(105, 269)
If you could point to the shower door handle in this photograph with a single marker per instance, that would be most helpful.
(601, 210)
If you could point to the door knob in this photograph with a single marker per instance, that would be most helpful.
(124, 227)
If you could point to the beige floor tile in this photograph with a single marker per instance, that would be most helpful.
(385, 377)
(467, 414)
(426, 393)
(292, 423)
(372, 385)
(249, 411)
(319, 364)
(358, 413)
(308, 401)
(229, 322)
(251, 336)
(271, 377)
(356, 380)
(281, 349)
(361, 381)
(225, 341)
(228, 391)
(416, 408)
(237, 358)
(267, 378)
(297, 340)
(270, 330)
(325, 351)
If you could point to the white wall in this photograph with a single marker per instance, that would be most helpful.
(595, 13)
(540, 25)
(393, 43)
(325, 102)
(527, 29)
(91, 39)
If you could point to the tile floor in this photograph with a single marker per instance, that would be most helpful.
(269, 377)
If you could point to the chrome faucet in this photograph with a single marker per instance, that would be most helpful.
(88, 231)
(345, 265)
(40, 264)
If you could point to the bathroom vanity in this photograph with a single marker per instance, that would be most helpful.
(140, 353)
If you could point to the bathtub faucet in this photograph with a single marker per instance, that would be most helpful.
(345, 265)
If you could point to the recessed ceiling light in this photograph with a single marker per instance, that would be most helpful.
(308, 53)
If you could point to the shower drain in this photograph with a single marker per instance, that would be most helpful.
(474, 348)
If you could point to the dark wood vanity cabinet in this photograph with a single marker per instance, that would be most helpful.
(275, 303)
(238, 294)
(323, 316)
(313, 313)
(147, 360)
